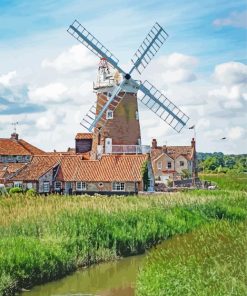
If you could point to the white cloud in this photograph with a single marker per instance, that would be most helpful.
(232, 78)
(231, 73)
(235, 19)
(236, 133)
(51, 93)
(6, 79)
(175, 68)
(178, 60)
(76, 58)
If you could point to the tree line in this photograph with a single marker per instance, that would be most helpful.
(218, 162)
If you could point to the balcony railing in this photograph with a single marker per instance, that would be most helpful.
(124, 149)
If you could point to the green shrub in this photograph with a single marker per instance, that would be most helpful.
(15, 190)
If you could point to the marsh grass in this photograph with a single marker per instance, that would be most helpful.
(208, 261)
(44, 238)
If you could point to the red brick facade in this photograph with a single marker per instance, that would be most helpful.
(124, 127)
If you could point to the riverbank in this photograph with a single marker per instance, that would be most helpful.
(44, 238)
(208, 261)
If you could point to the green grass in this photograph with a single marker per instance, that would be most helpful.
(228, 181)
(209, 261)
(44, 238)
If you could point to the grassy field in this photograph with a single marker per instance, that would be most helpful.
(228, 181)
(43, 238)
(208, 261)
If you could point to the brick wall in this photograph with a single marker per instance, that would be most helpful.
(124, 128)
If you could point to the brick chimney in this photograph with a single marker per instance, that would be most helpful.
(14, 136)
(154, 144)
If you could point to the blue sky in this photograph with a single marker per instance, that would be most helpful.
(212, 32)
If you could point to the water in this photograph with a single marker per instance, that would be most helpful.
(106, 279)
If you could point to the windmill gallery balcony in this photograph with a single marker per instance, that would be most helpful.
(124, 149)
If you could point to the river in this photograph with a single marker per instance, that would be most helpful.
(105, 279)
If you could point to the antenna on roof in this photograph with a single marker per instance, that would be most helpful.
(15, 125)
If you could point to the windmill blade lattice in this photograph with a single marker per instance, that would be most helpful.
(93, 44)
(97, 113)
(163, 107)
(149, 47)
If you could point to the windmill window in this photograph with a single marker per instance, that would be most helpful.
(118, 186)
(81, 186)
(169, 165)
(109, 114)
(159, 165)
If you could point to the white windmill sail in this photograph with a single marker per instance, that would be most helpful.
(150, 96)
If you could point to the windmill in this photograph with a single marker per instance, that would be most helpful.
(126, 90)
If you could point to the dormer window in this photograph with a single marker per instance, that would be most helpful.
(109, 114)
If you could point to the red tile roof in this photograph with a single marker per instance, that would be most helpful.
(110, 168)
(173, 151)
(32, 149)
(73, 168)
(38, 166)
(17, 147)
(82, 136)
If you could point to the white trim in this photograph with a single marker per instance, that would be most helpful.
(82, 186)
(116, 185)
(109, 114)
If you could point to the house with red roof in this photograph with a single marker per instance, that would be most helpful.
(172, 162)
(72, 174)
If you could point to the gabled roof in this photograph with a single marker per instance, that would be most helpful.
(38, 166)
(82, 136)
(73, 168)
(108, 169)
(32, 149)
(173, 151)
(17, 147)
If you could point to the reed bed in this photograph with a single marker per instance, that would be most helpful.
(209, 261)
(43, 238)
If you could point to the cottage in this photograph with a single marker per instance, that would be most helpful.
(39, 174)
(173, 162)
(15, 150)
(73, 175)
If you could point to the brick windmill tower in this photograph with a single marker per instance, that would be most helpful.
(119, 126)
(114, 116)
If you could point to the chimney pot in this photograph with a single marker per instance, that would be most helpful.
(14, 136)
(154, 143)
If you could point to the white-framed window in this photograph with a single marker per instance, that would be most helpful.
(159, 165)
(46, 186)
(18, 184)
(181, 163)
(118, 186)
(81, 186)
(109, 114)
(58, 185)
(137, 115)
(29, 185)
(169, 165)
